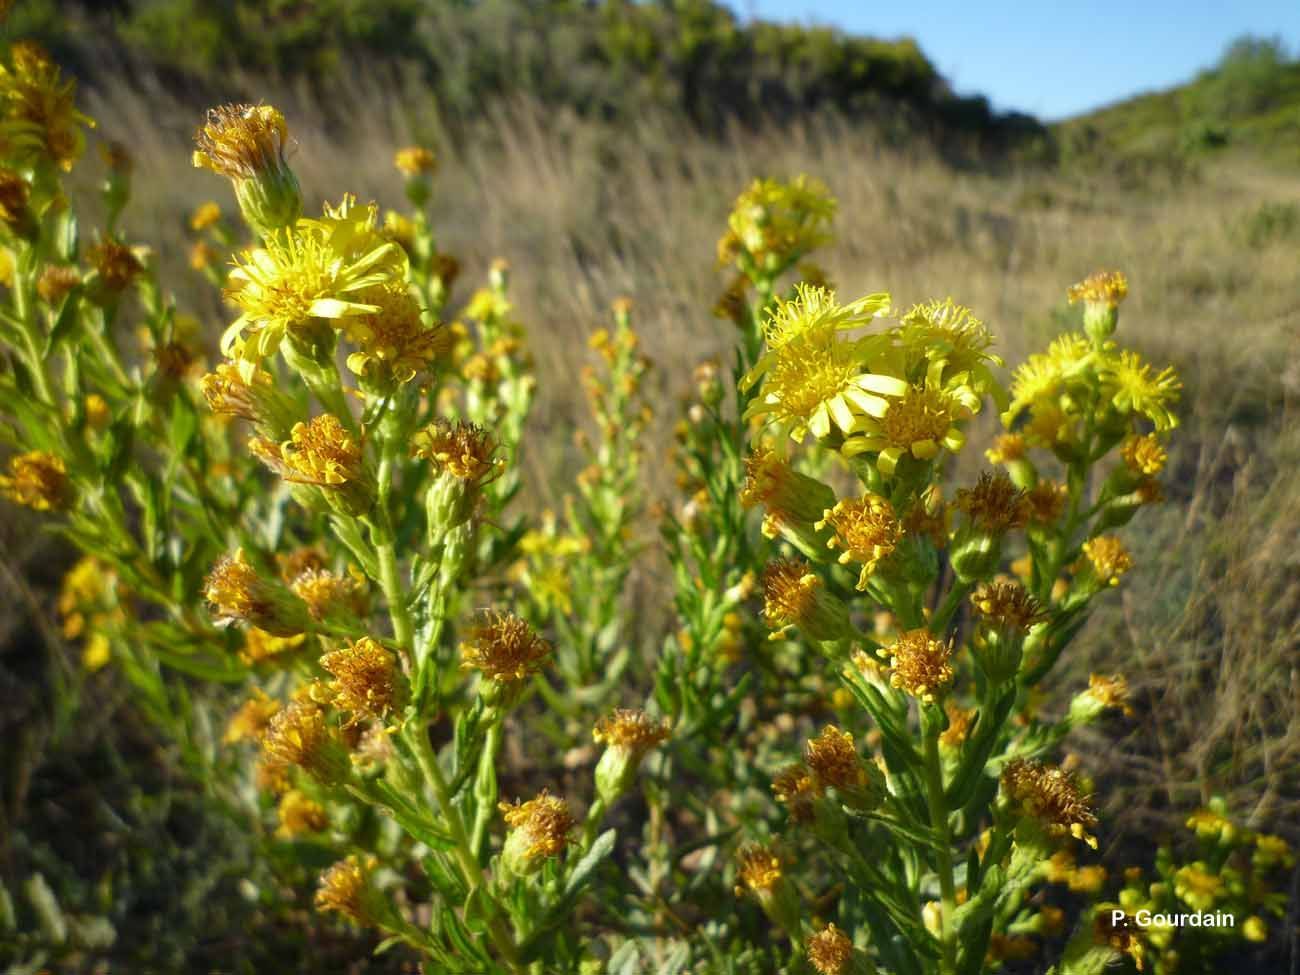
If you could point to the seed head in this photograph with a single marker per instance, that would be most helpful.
(994, 505)
(116, 265)
(830, 951)
(1007, 605)
(1050, 796)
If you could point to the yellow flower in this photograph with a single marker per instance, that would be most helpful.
(237, 591)
(812, 379)
(921, 665)
(795, 788)
(1134, 387)
(1043, 377)
(1103, 287)
(204, 216)
(918, 421)
(760, 869)
(299, 735)
(1007, 448)
(260, 646)
(345, 889)
(504, 648)
(867, 531)
(415, 161)
(945, 344)
(326, 593)
(393, 340)
(830, 951)
(1197, 887)
(1210, 824)
(319, 452)
(1007, 604)
(959, 724)
(307, 274)
(1108, 558)
(777, 223)
(97, 652)
(245, 143)
(38, 480)
(632, 730)
(252, 718)
(834, 762)
(40, 118)
(793, 595)
(464, 450)
(1050, 796)
(539, 830)
(365, 678)
(298, 814)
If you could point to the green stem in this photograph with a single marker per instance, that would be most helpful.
(943, 847)
(501, 936)
(390, 581)
(948, 608)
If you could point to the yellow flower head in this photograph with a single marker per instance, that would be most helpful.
(830, 951)
(252, 718)
(241, 141)
(345, 889)
(298, 735)
(365, 678)
(631, 730)
(539, 829)
(1211, 824)
(307, 274)
(867, 531)
(921, 665)
(1007, 448)
(833, 759)
(789, 593)
(415, 161)
(1050, 796)
(919, 421)
(260, 646)
(1109, 691)
(298, 814)
(791, 501)
(327, 593)
(40, 118)
(55, 282)
(38, 480)
(205, 215)
(795, 787)
(946, 343)
(1134, 387)
(464, 450)
(1198, 888)
(814, 379)
(1108, 558)
(393, 340)
(319, 452)
(994, 505)
(1107, 288)
(237, 591)
(504, 648)
(778, 222)
(759, 869)
(1007, 605)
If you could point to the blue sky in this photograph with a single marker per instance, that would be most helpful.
(1053, 59)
